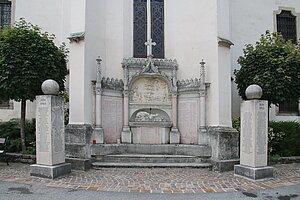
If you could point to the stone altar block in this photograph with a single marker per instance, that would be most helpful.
(50, 138)
(254, 141)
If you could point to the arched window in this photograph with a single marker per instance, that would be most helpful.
(140, 28)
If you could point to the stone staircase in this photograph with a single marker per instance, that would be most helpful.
(150, 160)
(167, 156)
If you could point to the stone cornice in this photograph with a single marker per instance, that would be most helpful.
(76, 37)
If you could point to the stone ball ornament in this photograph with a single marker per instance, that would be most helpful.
(253, 92)
(50, 87)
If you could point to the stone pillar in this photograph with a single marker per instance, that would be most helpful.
(126, 133)
(174, 134)
(98, 130)
(202, 131)
(126, 136)
(254, 137)
(50, 134)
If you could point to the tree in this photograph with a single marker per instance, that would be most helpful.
(274, 64)
(27, 58)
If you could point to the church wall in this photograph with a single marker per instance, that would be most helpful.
(79, 91)
(191, 35)
(249, 21)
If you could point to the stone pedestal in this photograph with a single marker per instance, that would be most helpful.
(50, 138)
(126, 135)
(254, 141)
(174, 136)
(224, 142)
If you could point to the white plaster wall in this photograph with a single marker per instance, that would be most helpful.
(15, 113)
(49, 16)
(250, 19)
(191, 31)
(78, 98)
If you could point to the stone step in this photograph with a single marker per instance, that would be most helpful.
(151, 158)
(170, 149)
(99, 165)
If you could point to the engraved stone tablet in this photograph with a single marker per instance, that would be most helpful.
(112, 120)
(50, 137)
(254, 126)
(187, 121)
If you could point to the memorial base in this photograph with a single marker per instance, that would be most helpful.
(126, 135)
(254, 173)
(52, 172)
(174, 136)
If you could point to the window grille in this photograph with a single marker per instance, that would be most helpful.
(5, 13)
(286, 25)
(289, 107)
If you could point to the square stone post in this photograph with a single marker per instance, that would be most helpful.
(50, 138)
(98, 134)
(174, 134)
(254, 140)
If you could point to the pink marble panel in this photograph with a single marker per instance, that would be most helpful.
(112, 119)
(187, 121)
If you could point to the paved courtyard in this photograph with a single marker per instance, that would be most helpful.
(154, 180)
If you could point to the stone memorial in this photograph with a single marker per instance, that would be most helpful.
(50, 134)
(254, 137)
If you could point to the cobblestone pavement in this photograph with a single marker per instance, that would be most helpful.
(154, 180)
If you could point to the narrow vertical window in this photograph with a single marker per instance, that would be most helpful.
(286, 25)
(5, 13)
(157, 18)
(140, 28)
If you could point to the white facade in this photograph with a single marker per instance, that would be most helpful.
(192, 32)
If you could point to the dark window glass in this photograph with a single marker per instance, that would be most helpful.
(4, 104)
(157, 29)
(5, 13)
(289, 107)
(140, 28)
(286, 25)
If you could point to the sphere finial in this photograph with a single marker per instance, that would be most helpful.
(50, 87)
(253, 92)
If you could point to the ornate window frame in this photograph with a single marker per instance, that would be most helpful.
(293, 11)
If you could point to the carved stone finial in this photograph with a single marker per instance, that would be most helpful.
(99, 73)
(253, 92)
(202, 74)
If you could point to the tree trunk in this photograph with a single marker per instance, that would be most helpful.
(22, 124)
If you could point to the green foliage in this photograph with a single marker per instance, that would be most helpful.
(27, 58)
(285, 138)
(12, 130)
(64, 94)
(236, 123)
(274, 64)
